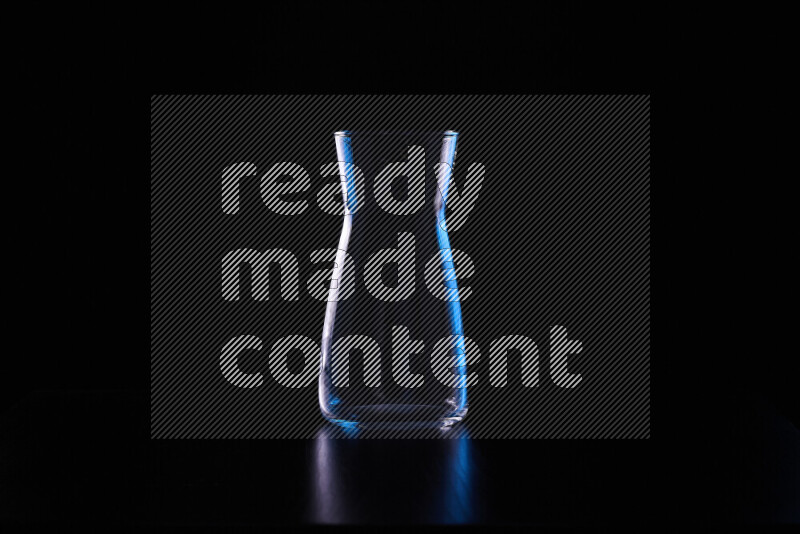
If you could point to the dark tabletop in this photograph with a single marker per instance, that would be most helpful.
(86, 457)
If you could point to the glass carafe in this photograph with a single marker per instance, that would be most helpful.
(393, 346)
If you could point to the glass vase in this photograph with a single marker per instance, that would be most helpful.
(393, 351)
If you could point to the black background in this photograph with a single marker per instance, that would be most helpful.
(76, 390)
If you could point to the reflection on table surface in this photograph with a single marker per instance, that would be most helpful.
(359, 477)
